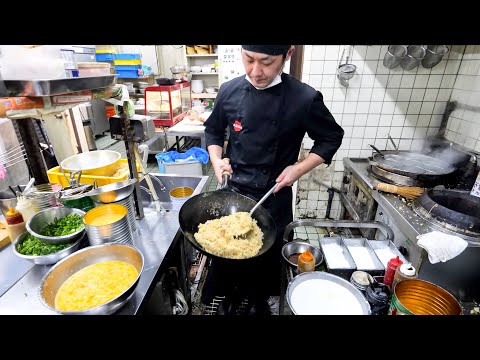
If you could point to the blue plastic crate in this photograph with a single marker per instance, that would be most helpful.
(125, 56)
(127, 67)
(104, 57)
(129, 73)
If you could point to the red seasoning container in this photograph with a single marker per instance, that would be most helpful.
(392, 265)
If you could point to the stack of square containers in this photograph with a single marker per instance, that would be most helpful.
(127, 66)
(343, 256)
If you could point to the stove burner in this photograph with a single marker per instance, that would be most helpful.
(454, 210)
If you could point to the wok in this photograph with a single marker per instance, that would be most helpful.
(413, 164)
(222, 202)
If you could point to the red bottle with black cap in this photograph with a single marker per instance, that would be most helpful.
(392, 265)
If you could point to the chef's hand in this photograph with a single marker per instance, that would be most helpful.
(219, 166)
(288, 176)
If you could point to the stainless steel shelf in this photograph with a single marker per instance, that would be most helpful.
(49, 87)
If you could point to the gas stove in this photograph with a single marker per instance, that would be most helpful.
(460, 275)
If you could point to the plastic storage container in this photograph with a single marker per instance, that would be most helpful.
(129, 74)
(86, 69)
(126, 56)
(55, 176)
(180, 168)
(27, 207)
(104, 57)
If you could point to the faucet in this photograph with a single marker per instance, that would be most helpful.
(162, 211)
(162, 187)
(146, 190)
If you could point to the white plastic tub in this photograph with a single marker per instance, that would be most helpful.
(181, 168)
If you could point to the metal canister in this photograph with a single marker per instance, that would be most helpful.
(129, 204)
(420, 297)
(115, 229)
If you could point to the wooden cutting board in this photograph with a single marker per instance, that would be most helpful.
(4, 239)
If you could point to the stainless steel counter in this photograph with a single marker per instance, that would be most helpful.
(155, 235)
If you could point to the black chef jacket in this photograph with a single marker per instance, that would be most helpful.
(266, 129)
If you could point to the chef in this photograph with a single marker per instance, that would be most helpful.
(265, 114)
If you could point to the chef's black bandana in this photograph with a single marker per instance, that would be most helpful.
(268, 49)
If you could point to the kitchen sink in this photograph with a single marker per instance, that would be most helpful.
(164, 183)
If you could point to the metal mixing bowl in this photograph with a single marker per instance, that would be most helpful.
(298, 247)
(98, 162)
(45, 259)
(60, 272)
(113, 192)
(41, 219)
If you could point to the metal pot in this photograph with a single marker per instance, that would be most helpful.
(341, 298)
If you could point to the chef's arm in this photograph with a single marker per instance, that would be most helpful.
(293, 172)
(322, 128)
(219, 166)
(215, 127)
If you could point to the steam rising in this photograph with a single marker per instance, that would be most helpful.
(449, 155)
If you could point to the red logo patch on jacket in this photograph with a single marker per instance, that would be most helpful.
(237, 125)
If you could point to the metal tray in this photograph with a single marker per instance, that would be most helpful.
(353, 244)
(380, 247)
(49, 87)
(344, 272)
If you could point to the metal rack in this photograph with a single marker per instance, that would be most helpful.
(13, 156)
(287, 274)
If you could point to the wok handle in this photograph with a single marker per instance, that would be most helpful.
(377, 150)
(393, 143)
(225, 175)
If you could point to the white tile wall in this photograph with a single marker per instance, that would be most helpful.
(463, 126)
(379, 101)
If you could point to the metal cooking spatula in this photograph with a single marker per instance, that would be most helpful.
(263, 199)
(243, 232)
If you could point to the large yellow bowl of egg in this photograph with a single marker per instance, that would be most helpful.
(97, 280)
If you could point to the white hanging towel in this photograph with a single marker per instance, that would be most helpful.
(440, 246)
